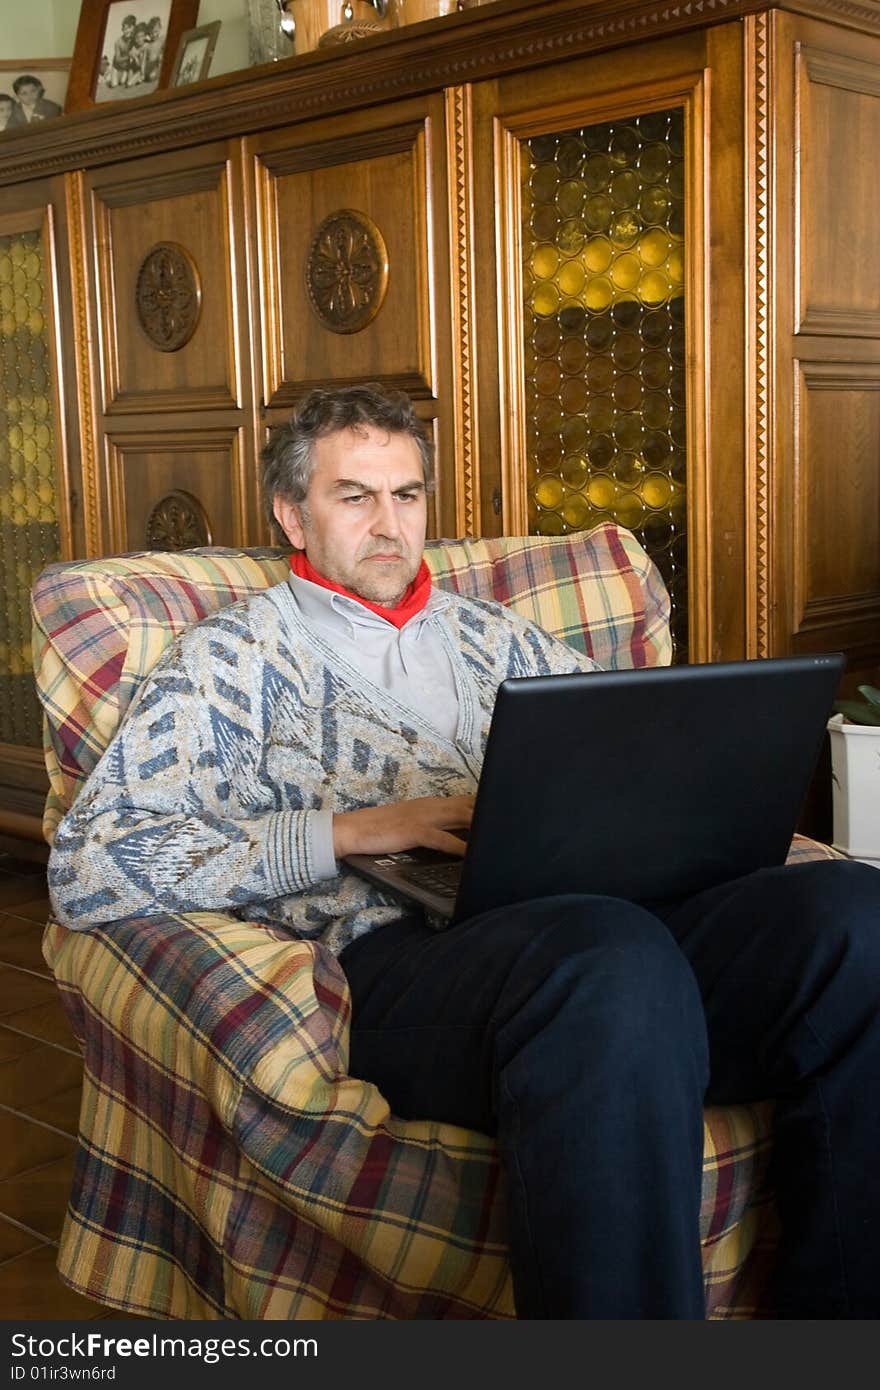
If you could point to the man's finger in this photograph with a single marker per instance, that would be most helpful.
(448, 843)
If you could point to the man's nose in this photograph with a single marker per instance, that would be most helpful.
(385, 519)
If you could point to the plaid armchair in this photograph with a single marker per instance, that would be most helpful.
(227, 1166)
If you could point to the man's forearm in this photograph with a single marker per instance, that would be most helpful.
(105, 866)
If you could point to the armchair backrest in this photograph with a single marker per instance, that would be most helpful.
(100, 625)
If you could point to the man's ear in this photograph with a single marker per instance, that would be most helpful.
(288, 516)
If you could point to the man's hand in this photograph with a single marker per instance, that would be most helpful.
(424, 820)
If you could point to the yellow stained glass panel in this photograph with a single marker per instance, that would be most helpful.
(29, 536)
(603, 322)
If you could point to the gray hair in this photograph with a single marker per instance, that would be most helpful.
(289, 458)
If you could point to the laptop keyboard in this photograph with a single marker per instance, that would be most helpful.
(439, 878)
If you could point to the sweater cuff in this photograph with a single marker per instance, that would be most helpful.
(323, 859)
(289, 860)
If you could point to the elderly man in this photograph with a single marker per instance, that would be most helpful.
(346, 710)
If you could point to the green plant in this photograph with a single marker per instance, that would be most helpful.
(866, 711)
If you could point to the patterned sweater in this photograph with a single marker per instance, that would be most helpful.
(248, 725)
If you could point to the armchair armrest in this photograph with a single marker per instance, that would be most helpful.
(803, 849)
(219, 1049)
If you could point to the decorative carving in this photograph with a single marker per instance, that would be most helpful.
(178, 522)
(355, 29)
(357, 26)
(761, 637)
(347, 271)
(81, 348)
(459, 119)
(168, 296)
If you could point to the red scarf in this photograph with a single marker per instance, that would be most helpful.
(414, 598)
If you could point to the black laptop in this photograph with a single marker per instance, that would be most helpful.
(646, 785)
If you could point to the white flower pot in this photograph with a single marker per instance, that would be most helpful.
(855, 788)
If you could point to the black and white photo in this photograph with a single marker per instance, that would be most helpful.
(31, 91)
(194, 54)
(132, 49)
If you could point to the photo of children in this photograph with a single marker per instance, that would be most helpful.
(132, 49)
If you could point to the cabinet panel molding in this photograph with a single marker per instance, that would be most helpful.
(837, 495)
(837, 137)
(86, 394)
(189, 208)
(380, 176)
(145, 467)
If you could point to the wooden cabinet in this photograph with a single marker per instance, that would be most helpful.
(369, 213)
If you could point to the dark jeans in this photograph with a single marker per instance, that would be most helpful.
(587, 1033)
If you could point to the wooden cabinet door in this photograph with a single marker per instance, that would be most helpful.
(352, 282)
(172, 445)
(609, 237)
(823, 551)
(40, 488)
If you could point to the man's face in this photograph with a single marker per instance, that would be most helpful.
(363, 523)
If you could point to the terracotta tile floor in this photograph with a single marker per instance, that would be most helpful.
(40, 1079)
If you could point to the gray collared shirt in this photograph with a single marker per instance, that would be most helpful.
(411, 663)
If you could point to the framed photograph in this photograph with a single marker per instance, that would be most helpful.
(125, 48)
(194, 54)
(32, 90)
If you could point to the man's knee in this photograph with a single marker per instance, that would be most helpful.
(611, 969)
(836, 903)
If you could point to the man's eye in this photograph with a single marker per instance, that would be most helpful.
(406, 496)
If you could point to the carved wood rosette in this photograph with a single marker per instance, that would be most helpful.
(178, 521)
(347, 271)
(168, 296)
